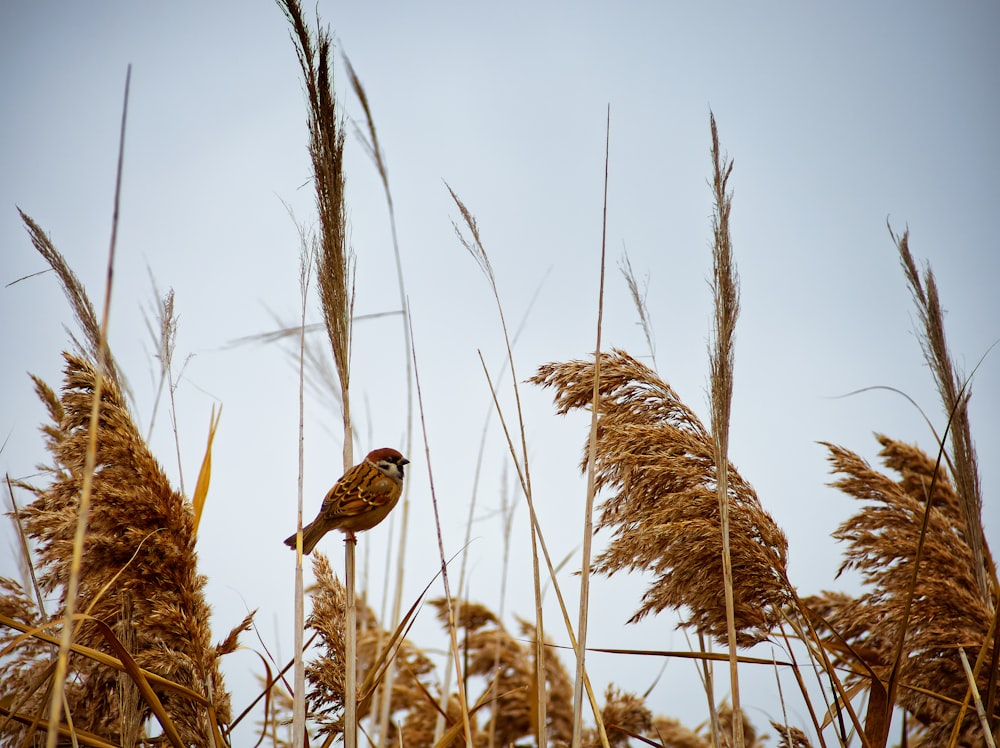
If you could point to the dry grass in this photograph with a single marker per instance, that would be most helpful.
(656, 461)
(79, 301)
(948, 612)
(624, 714)
(334, 261)
(921, 638)
(725, 292)
(508, 671)
(140, 543)
(374, 149)
(955, 395)
(335, 279)
(473, 244)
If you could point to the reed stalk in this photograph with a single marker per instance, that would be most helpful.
(725, 287)
(83, 514)
(450, 601)
(588, 512)
(334, 275)
(375, 151)
(299, 734)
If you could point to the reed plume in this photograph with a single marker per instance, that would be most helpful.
(326, 672)
(79, 303)
(140, 542)
(955, 394)
(790, 737)
(624, 714)
(627, 715)
(508, 668)
(948, 610)
(656, 459)
(335, 278)
(139, 548)
(334, 262)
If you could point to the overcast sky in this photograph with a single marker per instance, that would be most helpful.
(840, 118)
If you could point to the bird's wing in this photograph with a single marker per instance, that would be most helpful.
(362, 489)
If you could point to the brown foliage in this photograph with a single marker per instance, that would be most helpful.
(507, 667)
(656, 460)
(624, 714)
(140, 544)
(948, 611)
(325, 672)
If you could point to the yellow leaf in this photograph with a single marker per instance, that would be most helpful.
(205, 474)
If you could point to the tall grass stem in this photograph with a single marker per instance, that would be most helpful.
(588, 512)
(725, 286)
(83, 513)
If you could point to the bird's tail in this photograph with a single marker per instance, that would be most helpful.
(311, 535)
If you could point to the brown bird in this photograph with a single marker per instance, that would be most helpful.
(359, 500)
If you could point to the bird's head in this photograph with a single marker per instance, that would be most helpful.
(389, 461)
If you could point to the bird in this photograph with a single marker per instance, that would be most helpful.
(362, 498)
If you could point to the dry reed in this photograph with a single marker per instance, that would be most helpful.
(334, 260)
(508, 669)
(672, 733)
(926, 622)
(657, 460)
(79, 301)
(948, 611)
(725, 292)
(335, 279)
(140, 540)
(791, 737)
(639, 295)
(476, 249)
(375, 150)
(326, 672)
(955, 396)
(588, 512)
(624, 714)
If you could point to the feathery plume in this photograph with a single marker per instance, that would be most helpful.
(141, 542)
(656, 459)
(948, 610)
(955, 399)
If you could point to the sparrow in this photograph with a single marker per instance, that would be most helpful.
(359, 500)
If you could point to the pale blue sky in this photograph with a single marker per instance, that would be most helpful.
(839, 118)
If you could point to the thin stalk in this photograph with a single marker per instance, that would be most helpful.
(800, 682)
(473, 502)
(545, 554)
(83, 513)
(826, 667)
(375, 150)
(506, 513)
(351, 623)
(588, 513)
(541, 691)
(452, 628)
(299, 678)
(708, 684)
(350, 650)
(980, 711)
(980, 660)
(172, 388)
(478, 251)
(350, 545)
